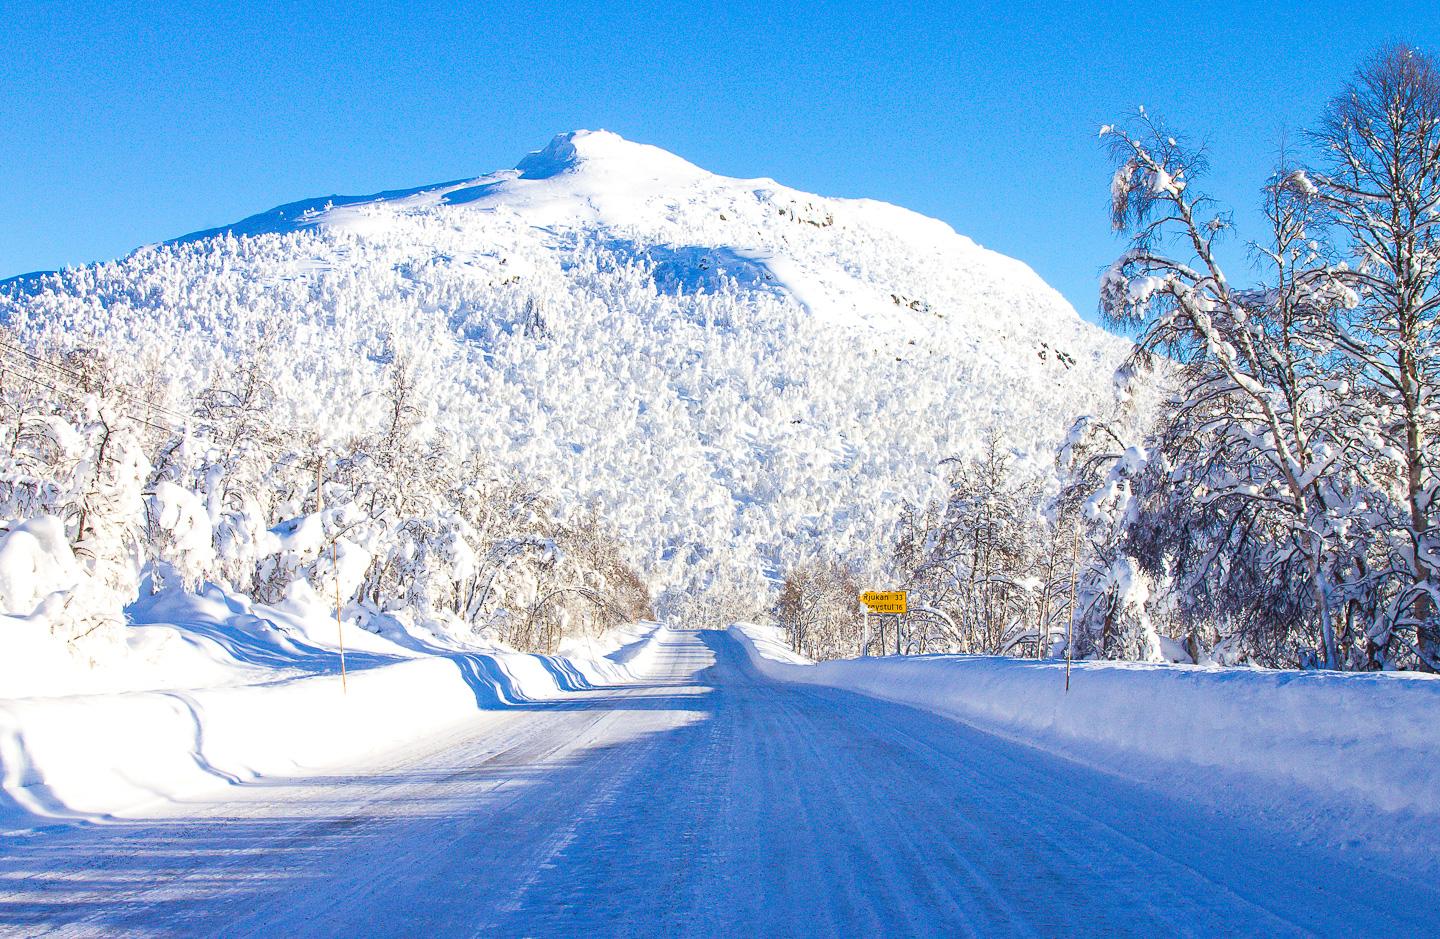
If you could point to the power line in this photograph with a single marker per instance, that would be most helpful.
(77, 393)
(80, 400)
(79, 380)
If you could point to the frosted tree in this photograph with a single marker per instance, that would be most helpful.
(970, 556)
(819, 609)
(1252, 424)
(1098, 465)
(107, 519)
(1379, 178)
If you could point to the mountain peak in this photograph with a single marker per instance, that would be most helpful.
(663, 343)
(602, 150)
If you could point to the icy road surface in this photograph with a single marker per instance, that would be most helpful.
(706, 801)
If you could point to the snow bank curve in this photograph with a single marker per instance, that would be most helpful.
(1359, 739)
(96, 755)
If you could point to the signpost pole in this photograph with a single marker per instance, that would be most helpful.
(884, 603)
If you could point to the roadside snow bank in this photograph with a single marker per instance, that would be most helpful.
(94, 755)
(1368, 738)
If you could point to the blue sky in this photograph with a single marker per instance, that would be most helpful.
(127, 123)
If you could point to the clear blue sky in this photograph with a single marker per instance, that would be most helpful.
(126, 123)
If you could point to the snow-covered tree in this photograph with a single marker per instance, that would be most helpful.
(1254, 426)
(1378, 175)
(1101, 465)
(970, 555)
(819, 609)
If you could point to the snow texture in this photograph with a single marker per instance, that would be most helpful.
(1360, 750)
(704, 800)
(243, 698)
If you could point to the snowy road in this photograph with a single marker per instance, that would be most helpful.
(704, 801)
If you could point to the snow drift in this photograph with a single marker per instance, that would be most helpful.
(115, 753)
(1366, 740)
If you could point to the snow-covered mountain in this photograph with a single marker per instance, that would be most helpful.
(735, 373)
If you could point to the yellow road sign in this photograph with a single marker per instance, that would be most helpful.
(884, 601)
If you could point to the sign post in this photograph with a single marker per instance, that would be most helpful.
(884, 602)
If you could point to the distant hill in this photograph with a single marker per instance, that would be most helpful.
(735, 373)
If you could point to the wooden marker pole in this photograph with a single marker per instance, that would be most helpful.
(339, 630)
(334, 572)
(1070, 623)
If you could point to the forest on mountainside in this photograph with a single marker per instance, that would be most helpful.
(113, 494)
(1263, 488)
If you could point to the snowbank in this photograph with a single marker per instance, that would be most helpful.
(94, 755)
(1362, 739)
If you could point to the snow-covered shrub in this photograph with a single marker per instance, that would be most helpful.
(36, 561)
(180, 531)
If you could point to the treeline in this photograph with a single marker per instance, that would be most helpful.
(107, 493)
(986, 573)
(1263, 489)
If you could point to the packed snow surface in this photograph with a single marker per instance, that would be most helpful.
(736, 373)
(701, 798)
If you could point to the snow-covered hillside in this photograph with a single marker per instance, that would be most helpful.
(734, 373)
